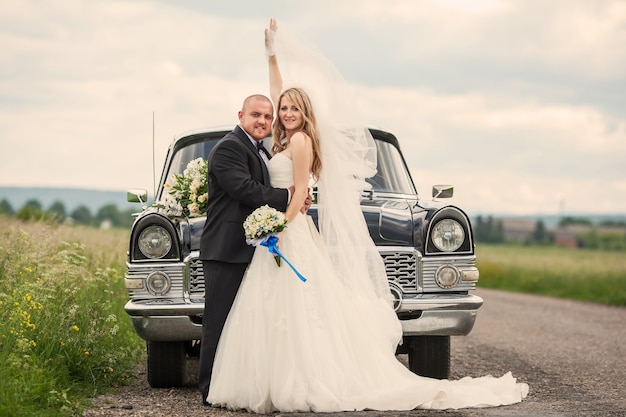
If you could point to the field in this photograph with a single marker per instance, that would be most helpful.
(587, 275)
(64, 336)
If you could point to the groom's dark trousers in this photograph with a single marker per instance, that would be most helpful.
(222, 282)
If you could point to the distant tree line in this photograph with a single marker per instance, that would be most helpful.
(488, 230)
(611, 236)
(570, 221)
(590, 237)
(107, 216)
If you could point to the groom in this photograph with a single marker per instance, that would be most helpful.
(238, 183)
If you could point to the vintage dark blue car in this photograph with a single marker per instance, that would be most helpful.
(427, 247)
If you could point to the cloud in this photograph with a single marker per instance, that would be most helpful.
(78, 92)
(518, 104)
(526, 156)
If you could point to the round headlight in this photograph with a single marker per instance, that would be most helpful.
(448, 235)
(155, 242)
(447, 276)
(158, 283)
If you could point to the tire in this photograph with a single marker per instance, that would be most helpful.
(166, 364)
(429, 356)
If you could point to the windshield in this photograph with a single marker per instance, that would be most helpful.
(392, 175)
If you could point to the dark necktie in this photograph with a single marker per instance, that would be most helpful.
(261, 148)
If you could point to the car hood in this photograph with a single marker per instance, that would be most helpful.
(390, 222)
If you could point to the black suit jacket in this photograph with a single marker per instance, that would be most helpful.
(238, 183)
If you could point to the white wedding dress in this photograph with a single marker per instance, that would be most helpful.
(293, 346)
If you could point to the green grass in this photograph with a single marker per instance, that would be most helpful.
(64, 336)
(588, 275)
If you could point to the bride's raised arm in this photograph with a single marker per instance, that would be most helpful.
(276, 80)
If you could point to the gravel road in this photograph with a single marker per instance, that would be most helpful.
(572, 354)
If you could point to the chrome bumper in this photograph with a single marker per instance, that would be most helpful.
(421, 315)
(439, 314)
(166, 322)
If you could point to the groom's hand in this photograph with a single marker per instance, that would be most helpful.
(307, 202)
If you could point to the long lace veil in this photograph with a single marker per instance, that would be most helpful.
(348, 156)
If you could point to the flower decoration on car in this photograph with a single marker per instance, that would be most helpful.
(186, 195)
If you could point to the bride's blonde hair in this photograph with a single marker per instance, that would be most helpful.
(309, 126)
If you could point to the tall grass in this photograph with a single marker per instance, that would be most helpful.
(64, 336)
(589, 275)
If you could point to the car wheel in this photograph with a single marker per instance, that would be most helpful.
(429, 356)
(166, 364)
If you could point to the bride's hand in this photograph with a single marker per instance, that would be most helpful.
(270, 33)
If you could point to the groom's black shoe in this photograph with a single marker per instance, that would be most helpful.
(204, 401)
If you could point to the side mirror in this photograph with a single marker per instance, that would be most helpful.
(137, 196)
(442, 191)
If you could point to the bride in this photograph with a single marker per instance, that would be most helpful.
(327, 344)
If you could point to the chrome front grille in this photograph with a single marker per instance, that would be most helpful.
(194, 278)
(401, 266)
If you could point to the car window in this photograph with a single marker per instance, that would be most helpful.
(392, 175)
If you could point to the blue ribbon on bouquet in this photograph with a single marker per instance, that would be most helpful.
(270, 243)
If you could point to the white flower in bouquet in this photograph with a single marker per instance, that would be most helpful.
(195, 185)
(194, 210)
(169, 206)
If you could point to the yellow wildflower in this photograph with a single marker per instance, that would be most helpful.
(75, 328)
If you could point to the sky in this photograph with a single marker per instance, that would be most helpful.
(519, 104)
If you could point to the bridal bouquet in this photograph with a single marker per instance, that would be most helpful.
(262, 224)
(262, 227)
(186, 194)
